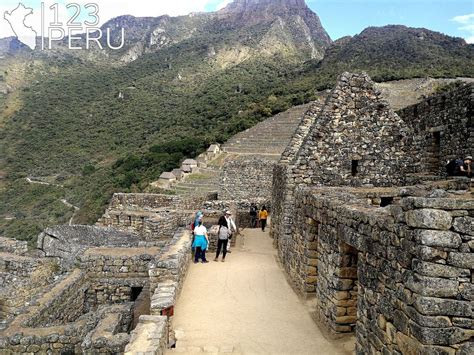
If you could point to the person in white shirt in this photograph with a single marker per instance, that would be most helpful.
(232, 227)
(201, 242)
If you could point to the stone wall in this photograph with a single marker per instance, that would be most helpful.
(142, 202)
(115, 273)
(103, 331)
(151, 226)
(246, 179)
(174, 261)
(13, 246)
(400, 275)
(68, 243)
(156, 341)
(443, 125)
(65, 303)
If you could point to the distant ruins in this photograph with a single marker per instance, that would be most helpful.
(363, 217)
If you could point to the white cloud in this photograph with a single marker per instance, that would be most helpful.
(466, 23)
(463, 18)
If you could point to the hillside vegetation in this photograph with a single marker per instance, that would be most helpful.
(92, 128)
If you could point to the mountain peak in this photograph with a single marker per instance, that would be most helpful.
(267, 6)
(253, 4)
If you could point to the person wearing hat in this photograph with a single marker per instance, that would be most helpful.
(200, 243)
(465, 166)
(231, 225)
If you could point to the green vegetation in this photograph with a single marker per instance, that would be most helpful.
(96, 129)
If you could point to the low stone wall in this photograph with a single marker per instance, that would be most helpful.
(401, 275)
(110, 336)
(103, 331)
(18, 265)
(68, 243)
(142, 202)
(174, 261)
(149, 226)
(13, 246)
(115, 273)
(246, 179)
(149, 337)
(64, 304)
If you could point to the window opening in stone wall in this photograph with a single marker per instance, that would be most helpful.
(355, 167)
(129, 220)
(386, 201)
(135, 293)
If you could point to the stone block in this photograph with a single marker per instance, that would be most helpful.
(462, 260)
(443, 239)
(346, 319)
(464, 225)
(429, 219)
(439, 270)
(439, 306)
(430, 286)
(440, 336)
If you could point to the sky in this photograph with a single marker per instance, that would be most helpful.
(339, 17)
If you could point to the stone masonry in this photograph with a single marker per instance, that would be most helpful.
(390, 262)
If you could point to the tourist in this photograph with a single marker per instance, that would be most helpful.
(197, 219)
(201, 242)
(460, 167)
(232, 227)
(222, 238)
(263, 216)
(253, 215)
(465, 167)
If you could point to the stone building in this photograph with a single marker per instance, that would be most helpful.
(391, 263)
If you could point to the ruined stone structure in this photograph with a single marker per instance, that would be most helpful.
(393, 264)
(363, 218)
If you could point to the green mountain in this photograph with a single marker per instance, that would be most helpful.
(88, 123)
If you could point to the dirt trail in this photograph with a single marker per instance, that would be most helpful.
(246, 306)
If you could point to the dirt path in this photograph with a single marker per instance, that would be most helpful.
(246, 306)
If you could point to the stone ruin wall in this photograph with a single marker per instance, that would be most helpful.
(246, 179)
(402, 275)
(90, 308)
(443, 127)
(153, 217)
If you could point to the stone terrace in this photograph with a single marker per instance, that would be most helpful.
(268, 138)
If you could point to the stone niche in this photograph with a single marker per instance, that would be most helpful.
(401, 276)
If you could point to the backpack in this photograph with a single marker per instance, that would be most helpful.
(224, 233)
(452, 167)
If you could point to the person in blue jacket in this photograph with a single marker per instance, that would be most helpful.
(201, 243)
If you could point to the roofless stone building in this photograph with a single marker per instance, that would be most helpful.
(392, 263)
